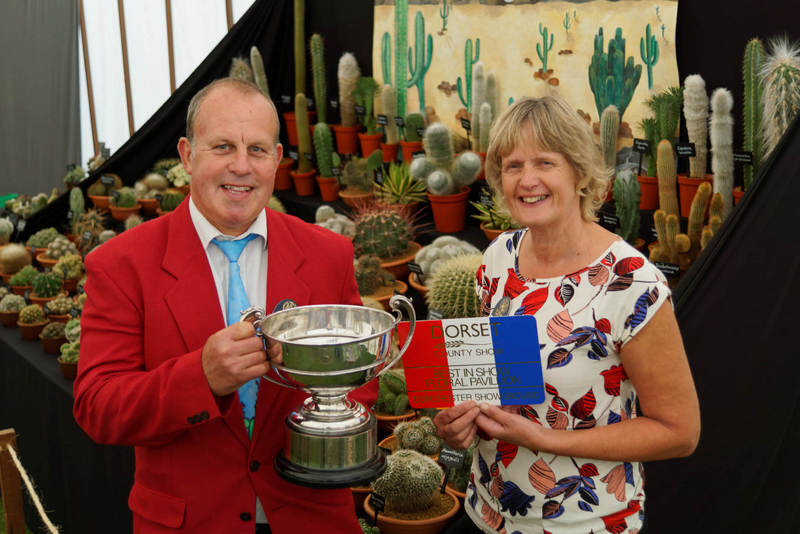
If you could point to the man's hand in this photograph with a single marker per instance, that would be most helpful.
(231, 357)
(456, 425)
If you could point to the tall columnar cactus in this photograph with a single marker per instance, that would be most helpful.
(240, 69)
(781, 96)
(484, 124)
(465, 88)
(611, 78)
(348, 75)
(410, 481)
(478, 98)
(259, 74)
(452, 287)
(386, 58)
(423, 53)
(543, 48)
(299, 46)
(400, 51)
(303, 133)
(364, 96)
(648, 49)
(627, 193)
(76, 204)
(753, 88)
(317, 49)
(697, 213)
(439, 145)
(609, 130)
(667, 179)
(695, 111)
(491, 93)
(721, 123)
(389, 102)
(323, 147)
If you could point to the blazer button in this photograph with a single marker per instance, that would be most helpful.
(245, 516)
(191, 420)
(254, 465)
(204, 415)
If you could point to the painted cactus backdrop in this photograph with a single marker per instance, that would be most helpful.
(591, 53)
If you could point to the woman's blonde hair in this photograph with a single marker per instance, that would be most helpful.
(554, 127)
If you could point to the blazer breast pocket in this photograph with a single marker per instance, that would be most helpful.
(156, 506)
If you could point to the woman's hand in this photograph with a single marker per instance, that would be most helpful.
(456, 425)
(505, 423)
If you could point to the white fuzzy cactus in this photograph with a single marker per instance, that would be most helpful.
(347, 75)
(430, 257)
(695, 110)
(721, 134)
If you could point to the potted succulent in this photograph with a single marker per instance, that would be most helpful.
(52, 336)
(100, 191)
(41, 239)
(6, 229)
(494, 216)
(364, 97)
(388, 104)
(323, 146)
(447, 178)
(399, 187)
(124, 203)
(375, 282)
(413, 130)
(459, 476)
(74, 175)
(70, 268)
(10, 306)
(303, 177)
(46, 287)
(170, 199)
(452, 287)
(392, 406)
(410, 485)
(13, 257)
(417, 435)
(347, 75)
(146, 190)
(68, 361)
(327, 217)
(432, 256)
(357, 179)
(21, 282)
(31, 321)
(58, 309)
(57, 248)
(386, 231)
(178, 178)
(87, 228)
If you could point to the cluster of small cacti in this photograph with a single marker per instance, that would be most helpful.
(25, 206)
(383, 230)
(335, 222)
(443, 174)
(392, 393)
(103, 186)
(163, 165)
(366, 528)
(47, 284)
(369, 275)
(72, 330)
(133, 221)
(59, 247)
(12, 303)
(42, 238)
(151, 185)
(627, 193)
(13, 257)
(78, 301)
(124, 197)
(171, 199)
(495, 215)
(431, 257)
(410, 481)
(88, 228)
(452, 287)
(419, 435)
(61, 305)
(6, 229)
(31, 314)
(70, 352)
(177, 176)
(53, 330)
(24, 276)
(74, 175)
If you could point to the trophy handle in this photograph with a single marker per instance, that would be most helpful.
(396, 302)
(255, 314)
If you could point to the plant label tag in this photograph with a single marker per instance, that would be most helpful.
(641, 145)
(33, 251)
(106, 180)
(421, 132)
(293, 154)
(485, 359)
(334, 103)
(400, 121)
(159, 196)
(449, 457)
(115, 195)
(609, 221)
(74, 312)
(653, 232)
(378, 176)
(383, 120)
(669, 269)
(69, 214)
(87, 235)
(27, 294)
(486, 198)
(21, 225)
(360, 110)
(310, 103)
(378, 503)
(309, 157)
(286, 99)
(417, 154)
(434, 314)
(414, 267)
(466, 125)
(685, 150)
(743, 158)
(337, 171)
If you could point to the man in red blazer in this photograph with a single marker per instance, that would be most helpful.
(160, 371)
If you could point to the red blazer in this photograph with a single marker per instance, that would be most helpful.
(151, 306)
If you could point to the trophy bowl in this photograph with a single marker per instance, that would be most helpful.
(327, 351)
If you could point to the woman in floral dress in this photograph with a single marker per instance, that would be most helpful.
(619, 391)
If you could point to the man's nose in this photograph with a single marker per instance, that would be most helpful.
(239, 162)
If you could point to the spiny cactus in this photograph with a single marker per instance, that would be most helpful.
(73, 330)
(355, 176)
(753, 106)
(609, 130)
(24, 276)
(303, 133)
(60, 246)
(627, 193)
(484, 123)
(414, 124)
(347, 75)
(478, 98)
(389, 105)
(323, 145)
(12, 303)
(419, 435)
(53, 330)
(715, 209)
(259, 74)
(240, 69)
(125, 197)
(171, 199)
(696, 214)
(410, 481)
(88, 228)
(431, 257)
(317, 49)
(59, 305)
(363, 94)
(392, 393)
(76, 204)
(369, 275)
(74, 175)
(382, 229)
(452, 287)
(70, 352)
(31, 314)
(695, 111)
(177, 176)
(781, 77)
(42, 238)
(667, 196)
(721, 123)
(46, 284)
(133, 221)
(443, 174)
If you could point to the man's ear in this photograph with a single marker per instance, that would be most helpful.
(185, 151)
(278, 153)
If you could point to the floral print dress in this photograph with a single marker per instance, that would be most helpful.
(583, 319)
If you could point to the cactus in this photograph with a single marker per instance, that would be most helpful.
(696, 214)
(400, 59)
(392, 393)
(259, 74)
(69, 266)
(419, 435)
(627, 193)
(459, 477)
(414, 122)
(478, 98)
(439, 145)
(177, 176)
(133, 221)
(611, 78)
(443, 174)
(323, 146)
(648, 49)
(348, 75)
(61, 305)
(303, 133)
(753, 88)
(60, 246)
(399, 187)
(465, 89)
(87, 228)
(715, 208)
(543, 48)
(170, 200)
(609, 130)
(317, 49)
(452, 287)
(491, 93)
(12, 303)
(73, 330)
(418, 67)
(355, 176)
(240, 69)
(369, 275)
(125, 197)
(484, 124)
(383, 230)
(6, 229)
(74, 175)
(410, 481)
(721, 135)
(667, 229)
(326, 217)
(46, 284)
(389, 105)
(53, 330)
(781, 78)
(31, 314)
(695, 110)
(299, 47)
(666, 109)
(76, 203)
(42, 238)
(667, 179)
(364, 95)
(70, 352)
(24, 276)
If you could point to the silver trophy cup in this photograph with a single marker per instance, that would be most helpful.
(329, 350)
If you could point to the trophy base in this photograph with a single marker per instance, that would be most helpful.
(330, 478)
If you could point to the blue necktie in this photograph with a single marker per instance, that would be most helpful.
(238, 301)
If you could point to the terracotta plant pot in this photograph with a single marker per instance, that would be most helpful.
(291, 125)
(389, 151)
(68, 370)
(399, 266)
(346, 138)
(148, 205)
(41, 301)
(649, 198)
(408, 148)
(433, 525)
(687, 187)
(283, 181)
(399, 287)
(491, 233)
(21, 290)
(6, 276)
(120, 214)
(369, 143)
(413, 281)
(31, 331)
(44, 261)
(52, 345)
(449, 211)
(328, 188)
(387, 422)
(9, 319)
(641, 245)
(354, 199)
(59, 317)
(100, 202)
(303, 182)
(71, 285)
(737, 195)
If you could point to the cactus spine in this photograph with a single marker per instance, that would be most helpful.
(695, 110)
(299, 46)
(781, 96)
(465, 89)
(609, 130)
(423, 54)
(721, 123)
(665, 170)
(348, 75)
(303, 133)
(439, 145)
(323, 145)
(753, 89)
(452, 287)
(410, 481)
(390, 110)
(318, 76)
(259, 74)
(648, 49)
(627, 193)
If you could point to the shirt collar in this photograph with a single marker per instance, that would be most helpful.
(207, 231)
